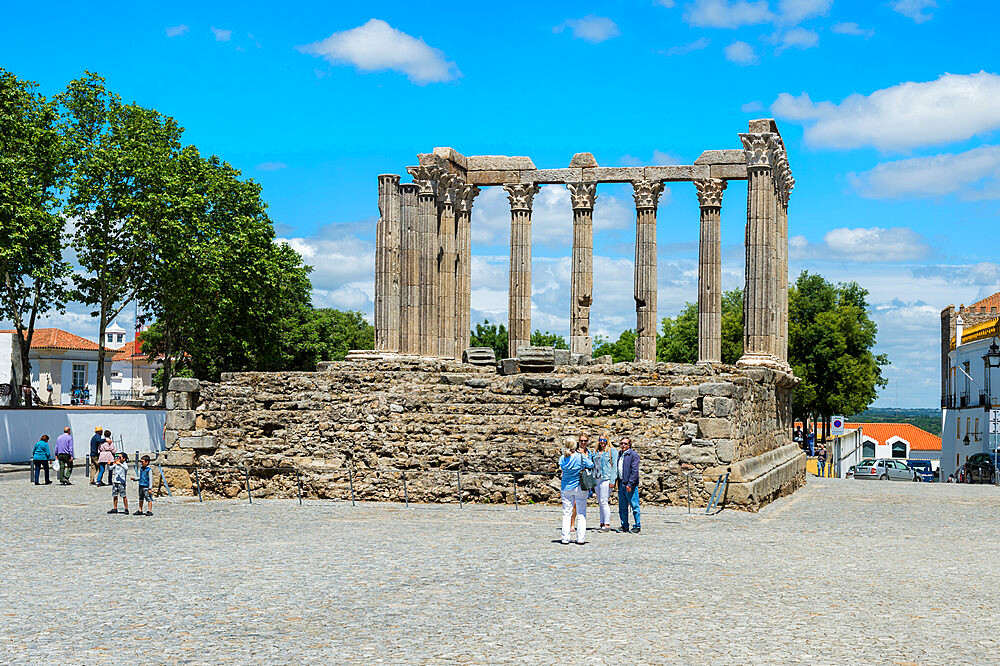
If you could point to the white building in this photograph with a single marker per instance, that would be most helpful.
(114, 336)
(131, 372)
(63, 364)
(969, 391)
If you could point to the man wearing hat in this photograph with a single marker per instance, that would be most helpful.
(95, 442)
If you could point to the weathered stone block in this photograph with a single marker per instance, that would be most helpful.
(591, 401)
(477, 382)
(481, 356)
(201, 442)
(169, 437)
(498, 163)
(696, 455)
(583, 160)
(614, 390)
(680, 394)
(716, 388)
(180, 419)
(613, 174)
(176, 458)
(646, 391)
(602, 360)
(712, 428)
(179, 400)
(552, 176)
(728, 171)
(536, 359)
(573, 383)
(493, 177)
(725, 449)
(183, 384)
(730, 156)
(562, 356)
(715, 406)
(507, 366)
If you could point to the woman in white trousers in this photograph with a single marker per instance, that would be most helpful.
(574, 460)
(606, 469)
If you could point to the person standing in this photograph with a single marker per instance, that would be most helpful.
(40, 458)
(106, 456)
(810, 442)
(95, 443)
(144, 491)
(821, 460)
(628, 486)
(797, 436)
(582, 442)
(64, 454)
(572, 462)
(119, 476)
(606, 468)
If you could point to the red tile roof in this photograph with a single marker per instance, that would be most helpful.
(127, 352)
(919, 439)
(990, 304)
(54, 338)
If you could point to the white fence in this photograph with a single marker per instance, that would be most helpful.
(136, 429)
(845, 451)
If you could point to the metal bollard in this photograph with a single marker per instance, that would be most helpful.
(460, 488)
(136, 462)
(164, 479)
(406, 497)
(689, 492)
(515, 491)
(246, 473)
(298, 480)
(197, 481)
(350, 476)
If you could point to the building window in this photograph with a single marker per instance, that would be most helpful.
(121, 337)
(79, 376)
(976, 431)
(899, 449)
(958, 428)
(968, 425)
(868, 450)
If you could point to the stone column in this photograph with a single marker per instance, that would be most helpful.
(425, 178)
(647, 196)
(519, 295)
(466, 194)
(784, 183)
(409, 273)
(387, 249)
(710, 270)
(760, 332)
(446, 258)
(581, 288)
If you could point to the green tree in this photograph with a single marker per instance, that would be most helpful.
(33, 169)
(678, 343)
(830, 347)
(120, 155)
(325, 334)
(546, 339)
(490, 335)
(621, 350)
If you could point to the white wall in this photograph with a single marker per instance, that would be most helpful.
(139, 429)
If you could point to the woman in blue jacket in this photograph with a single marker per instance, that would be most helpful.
(40, 458)
(572, 462)
(606, 470)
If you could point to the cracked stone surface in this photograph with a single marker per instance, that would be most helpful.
(840, 572)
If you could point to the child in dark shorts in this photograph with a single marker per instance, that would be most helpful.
(119, 475)
(144, 491)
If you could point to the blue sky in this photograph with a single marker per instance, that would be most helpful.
(890, 111)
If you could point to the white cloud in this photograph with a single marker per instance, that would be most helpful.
(343, 267)
(953, 107)
(863, 244)
(914, 9)
(222, 35)
(176, 30)
(590, 28)
(796, 11)
(377, 46)
(752, 107)
(271, 166)
(852, 29)
(741, 53)
(796, 38)
(727, 14)
(684, 49)
(973, 174)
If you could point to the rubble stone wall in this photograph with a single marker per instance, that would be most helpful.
(365, 423)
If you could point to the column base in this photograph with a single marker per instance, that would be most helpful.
(581, 344)
(645, 349)
(759, 361)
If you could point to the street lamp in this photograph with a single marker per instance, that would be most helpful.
(991, 361)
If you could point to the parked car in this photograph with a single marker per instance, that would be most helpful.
(924, 468)
(979, 468)
(884, 469)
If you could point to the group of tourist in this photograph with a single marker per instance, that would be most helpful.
(586, 473)
(104, 458)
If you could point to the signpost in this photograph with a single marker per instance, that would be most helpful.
(995, 436)
(837, 426)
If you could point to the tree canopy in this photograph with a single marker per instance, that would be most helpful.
(678, 342)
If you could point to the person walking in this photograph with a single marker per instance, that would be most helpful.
(810, 442)
(606, 469)
(95, 443)
(105, 457)
(821, 460)
(572, 462)
(628, 486)
(64, 454)
(40, 458)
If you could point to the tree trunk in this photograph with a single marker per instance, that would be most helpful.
(168, 364)
(99, 400)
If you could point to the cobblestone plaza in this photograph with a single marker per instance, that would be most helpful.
(840, 572)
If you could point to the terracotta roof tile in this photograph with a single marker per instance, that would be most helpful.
(989, 305)
(54, 338)
(919, 439)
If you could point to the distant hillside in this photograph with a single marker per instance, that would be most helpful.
(928, 419)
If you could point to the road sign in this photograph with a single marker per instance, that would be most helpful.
(995, 421)
(837, 426)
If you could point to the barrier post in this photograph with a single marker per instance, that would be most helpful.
(689, 492)
(298, 481)
(246, 473)
(164, 479)
(350, 476)
(406, 496)
(515, 490)
(136, 463)
(197, 481)
(459, 487)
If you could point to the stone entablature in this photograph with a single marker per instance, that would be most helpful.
(433, 417)
(428, 312)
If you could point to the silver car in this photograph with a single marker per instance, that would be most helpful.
(884, 469)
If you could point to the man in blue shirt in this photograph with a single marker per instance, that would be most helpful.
(95, 442)
(628, 485)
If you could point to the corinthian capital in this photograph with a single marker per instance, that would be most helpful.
(446, 192)
(582, 195)
(759, 149)
(647, 193)
(710, 191)
(425, 177)
(465, 194)
(521, 195)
